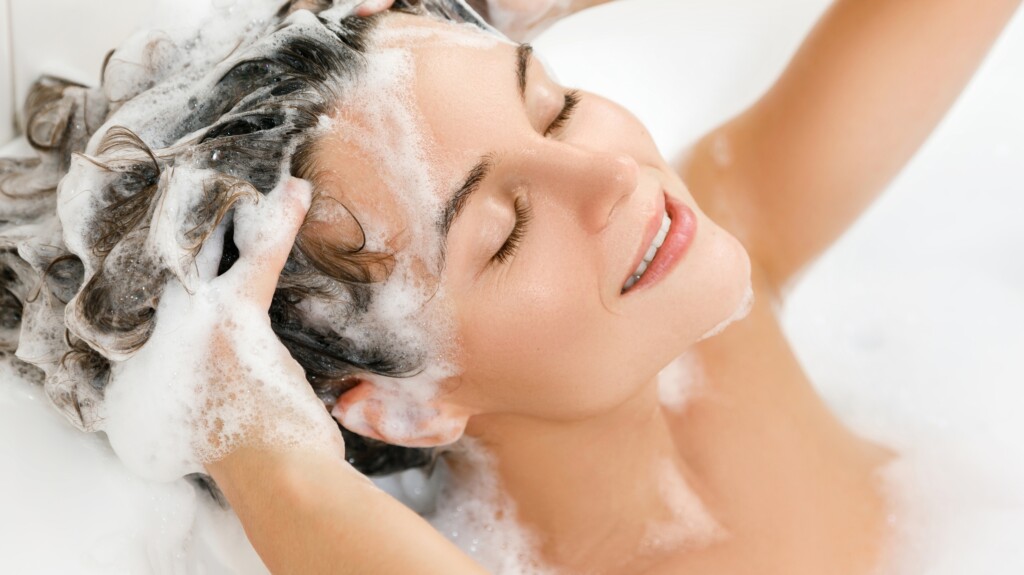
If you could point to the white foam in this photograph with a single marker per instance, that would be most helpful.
(164, 64)
(213, 375)
(386, 125)
(405, 408)
(691, 525)
(70, 506)
(885, 361)
(742, 311)
(411, 305)
(481, 520)
(679, 381)
(198, 420)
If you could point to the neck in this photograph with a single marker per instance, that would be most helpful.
(597, 490)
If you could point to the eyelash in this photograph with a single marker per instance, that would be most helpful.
(572, 99)
(523, 216)
(523, 212)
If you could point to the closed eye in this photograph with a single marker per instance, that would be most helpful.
(523, 216)
(523, 212)
(572, 99)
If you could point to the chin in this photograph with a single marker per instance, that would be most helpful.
(713, 288)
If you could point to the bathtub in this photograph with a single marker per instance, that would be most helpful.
(910, 325)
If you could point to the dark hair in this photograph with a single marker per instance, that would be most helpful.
(82, 305)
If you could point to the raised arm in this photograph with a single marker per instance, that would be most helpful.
(304, 508)
(862, 94)
(308, 513)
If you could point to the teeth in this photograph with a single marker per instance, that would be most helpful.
(666, 223)
(641, 269)
(659, 239)
(650, 253)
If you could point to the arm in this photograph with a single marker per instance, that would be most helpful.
(261, 431)
(861, 95)
(310, 512)
(305, 509)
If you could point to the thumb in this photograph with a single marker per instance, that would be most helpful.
(265, 232)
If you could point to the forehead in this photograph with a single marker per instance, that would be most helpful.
(433, 99)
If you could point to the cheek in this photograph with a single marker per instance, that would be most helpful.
(711, 285)
(547, 349)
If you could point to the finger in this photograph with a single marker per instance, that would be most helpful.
(208, 260)
(371, 7)
(265, 232)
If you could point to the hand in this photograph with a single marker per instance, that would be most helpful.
(522, 20)
(371, 7)
(519, 19)
(367, 8)
(213, 377)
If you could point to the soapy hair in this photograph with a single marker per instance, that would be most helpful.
(79, 290)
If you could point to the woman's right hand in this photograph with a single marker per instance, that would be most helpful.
(213, 377)
(251, 375)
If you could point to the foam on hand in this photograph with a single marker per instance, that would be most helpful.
(213, 366)
(166, 96)
(173, 403)
(154, 180)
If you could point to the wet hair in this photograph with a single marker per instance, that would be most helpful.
(77, 296)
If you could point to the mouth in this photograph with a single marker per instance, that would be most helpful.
(670, 242)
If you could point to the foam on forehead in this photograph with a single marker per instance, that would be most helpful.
(380, 117)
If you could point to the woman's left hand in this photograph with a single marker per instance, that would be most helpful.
(367, 8)
(371, 7)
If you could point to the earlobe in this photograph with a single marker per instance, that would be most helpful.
(384, 413)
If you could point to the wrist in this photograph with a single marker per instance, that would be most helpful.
(251, 470)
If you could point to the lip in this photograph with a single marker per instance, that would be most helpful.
(677, 243)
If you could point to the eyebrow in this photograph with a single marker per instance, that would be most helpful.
(524, 52)
(461, 196)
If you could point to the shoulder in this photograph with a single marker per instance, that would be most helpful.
(719, 179)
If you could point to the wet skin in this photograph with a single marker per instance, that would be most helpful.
(547, 340)
(793, 489)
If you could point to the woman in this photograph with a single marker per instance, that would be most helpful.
(574, 171)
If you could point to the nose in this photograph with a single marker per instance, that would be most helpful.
(590, 183)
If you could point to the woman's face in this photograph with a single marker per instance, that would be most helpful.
(542, 211)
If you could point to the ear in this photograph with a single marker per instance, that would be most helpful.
(381, 410)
